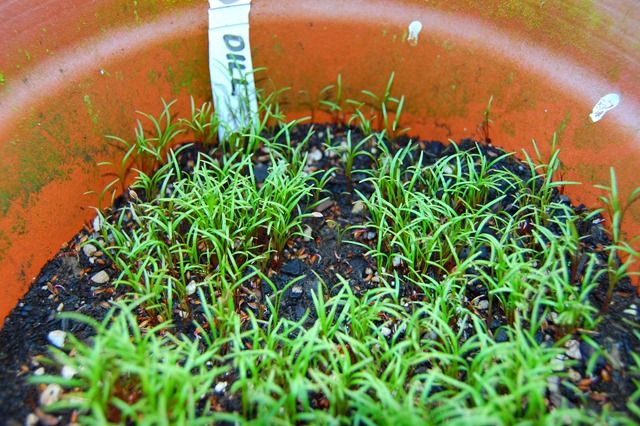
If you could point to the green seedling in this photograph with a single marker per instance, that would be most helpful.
(350, 150)
(617, 269)
(203, 123)
(334, 100)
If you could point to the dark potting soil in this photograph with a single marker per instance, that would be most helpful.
(65, 284)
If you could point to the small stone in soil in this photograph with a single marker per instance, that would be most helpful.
(89, 250)
(308, 233)
(68, 372)
(57, 338)
(31, 420)
(482, 305)
(100, 278)
(315, 155)
(191, 288)
(299, 311)
(386, 331)
(501, 336)
(220, 387)
(553, 383)
(574, 375)
(358, 207)
(51, 394)
(296, 291)
(573, 349)
(631, 310)
(324, 205)
(294, 267)
(615, 355)
(359, 266)
(97, 224)
(39, 372)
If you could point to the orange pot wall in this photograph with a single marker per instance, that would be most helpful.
(72, 71)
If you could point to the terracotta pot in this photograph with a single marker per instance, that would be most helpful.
(72, 71)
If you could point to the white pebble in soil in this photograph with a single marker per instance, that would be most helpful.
(68, 372)
(97, 224)
(553, 385)
(315, 155)
(358, 207)
(308, 233)
(631, 310)
(51, 394)
(220, 387)
(31, 420)
(574, 376)
(57, 338)
(39, 372)
(100, 278)
(89, 250)
(191, 287)
(396, 261)
(482, 305)
(386, 331)
(573, 349)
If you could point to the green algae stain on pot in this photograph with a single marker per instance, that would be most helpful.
(527, 12)
(153, 76)
(586, 136)
(33, 161)
(508, 127)
(188, 77)
(5, 244)
(36, 166)
(92, 115)
(559, 131)
(19, 226)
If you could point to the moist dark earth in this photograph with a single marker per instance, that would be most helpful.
(65, 284)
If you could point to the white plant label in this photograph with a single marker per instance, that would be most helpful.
(606, 103)
(230, 65)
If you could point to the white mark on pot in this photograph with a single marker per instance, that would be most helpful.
(605, 104)
(414, 31)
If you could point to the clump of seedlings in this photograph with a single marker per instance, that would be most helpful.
(383, 281)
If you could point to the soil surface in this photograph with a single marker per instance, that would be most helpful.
(67, 283)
